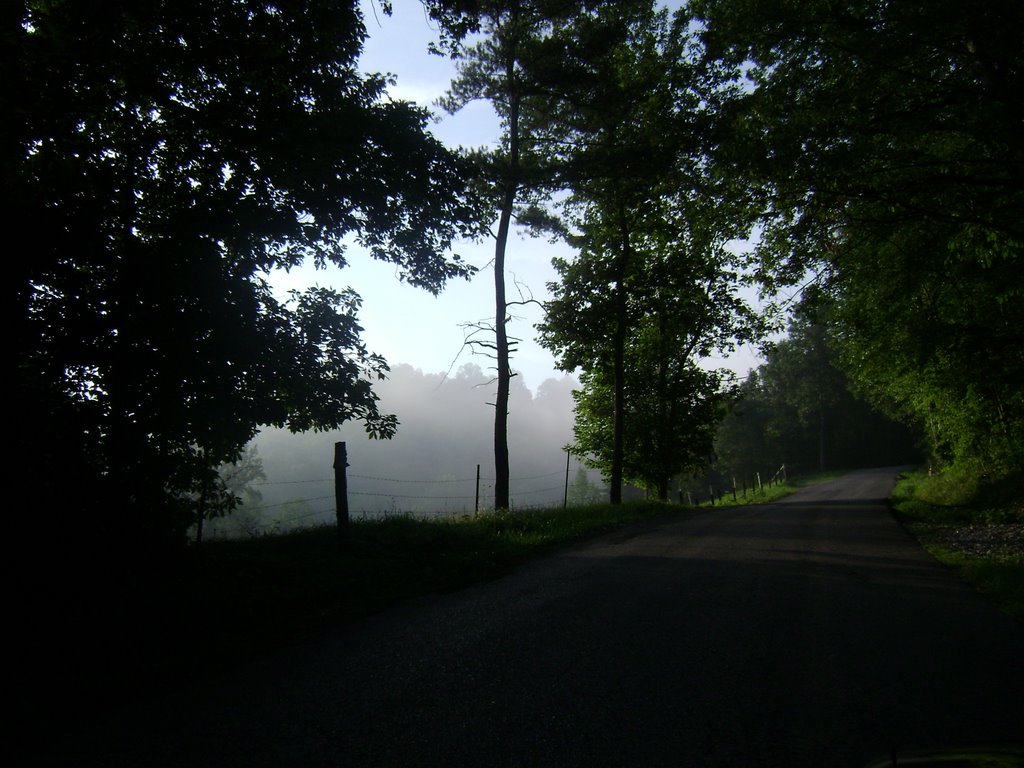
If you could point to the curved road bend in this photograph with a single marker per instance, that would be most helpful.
(813, 632)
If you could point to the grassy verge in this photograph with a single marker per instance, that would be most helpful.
(230, 602)
(952, 512)
(302, 582)
(254, 595)
(233, 601)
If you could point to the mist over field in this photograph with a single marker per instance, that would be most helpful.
(429, 467)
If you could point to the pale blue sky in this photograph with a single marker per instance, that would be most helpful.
(408, 325)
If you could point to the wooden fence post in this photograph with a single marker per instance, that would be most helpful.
(476, 504)
(341, 492)
(565, 498)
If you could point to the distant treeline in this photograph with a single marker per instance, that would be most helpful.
(799, 409)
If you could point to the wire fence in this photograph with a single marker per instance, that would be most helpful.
(465, 497)
(365, 490)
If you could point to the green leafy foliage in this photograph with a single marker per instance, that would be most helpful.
(165, 157)
(938, 334)
(959, 496)
(653, 286)
(885, 143)
(670, 419)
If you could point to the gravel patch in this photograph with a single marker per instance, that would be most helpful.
(1004, 540)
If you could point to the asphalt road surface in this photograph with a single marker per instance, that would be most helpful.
(813, 632)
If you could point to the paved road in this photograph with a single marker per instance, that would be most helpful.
(807, 633)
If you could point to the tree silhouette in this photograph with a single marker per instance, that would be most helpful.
(512, 67)
(166, 157)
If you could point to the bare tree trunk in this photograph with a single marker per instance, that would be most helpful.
(501, 468)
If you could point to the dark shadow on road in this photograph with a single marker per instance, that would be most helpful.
(801, 634)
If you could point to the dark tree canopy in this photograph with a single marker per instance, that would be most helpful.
(886, 142)
(161, 158)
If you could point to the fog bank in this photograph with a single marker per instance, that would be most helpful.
(430, 466)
